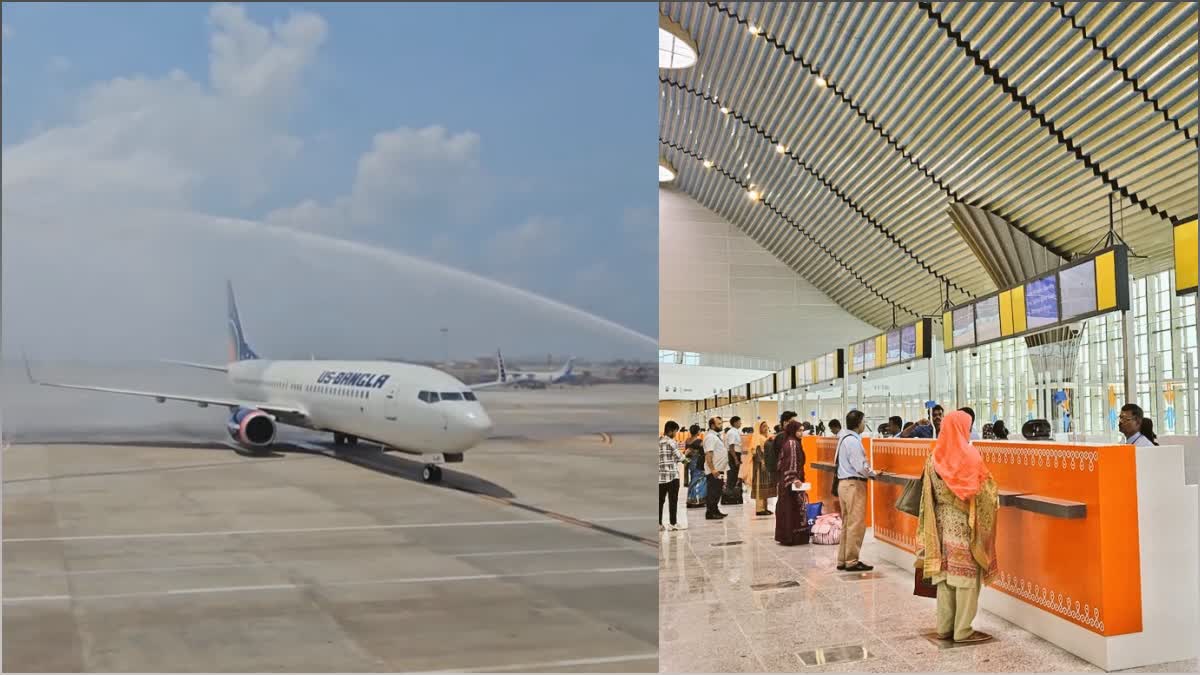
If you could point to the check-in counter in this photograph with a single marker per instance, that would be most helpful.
(1097, 544)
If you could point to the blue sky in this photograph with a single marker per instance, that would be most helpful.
(516, 141)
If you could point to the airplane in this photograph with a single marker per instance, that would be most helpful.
(405, 407)
(529, 379)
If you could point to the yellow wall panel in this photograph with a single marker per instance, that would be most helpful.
(920, 350)
(1018, 309)
(947, 330)
(1006, 315)
(1186, 254)
(1106, 281)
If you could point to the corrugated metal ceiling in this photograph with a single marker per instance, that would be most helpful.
(1036, 112)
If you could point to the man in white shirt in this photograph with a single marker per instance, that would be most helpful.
(716, 463)
(1130, 424)
(733, 441)
(852, 473)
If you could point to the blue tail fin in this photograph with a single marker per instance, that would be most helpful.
(238, 349)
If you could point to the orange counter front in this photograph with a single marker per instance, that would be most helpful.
(1081, 568)
(1078, 526)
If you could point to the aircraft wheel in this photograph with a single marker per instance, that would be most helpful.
(431, 473)
(338, 439)
(352, 440)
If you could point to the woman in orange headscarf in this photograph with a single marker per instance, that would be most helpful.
(956, 530)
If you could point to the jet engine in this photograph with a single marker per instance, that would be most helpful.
(252, 428)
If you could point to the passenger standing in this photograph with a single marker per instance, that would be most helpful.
(733, 442)
(764, 476)
(935, 415)
(974, 434)
(835, 428)
(694, 448)
(999, 430)
(669, 459)
(791, 509)
(852, 473)
(716, 463)
(956, 528)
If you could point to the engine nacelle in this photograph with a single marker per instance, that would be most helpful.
(252, 428)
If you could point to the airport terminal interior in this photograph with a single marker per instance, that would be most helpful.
(956, 244)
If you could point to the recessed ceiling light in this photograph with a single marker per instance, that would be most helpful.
(724, 110)
(754, 30)
(821, 82)
(753, 195)
(665, 174)
(676, 50)
(781, 149)
(708, 164)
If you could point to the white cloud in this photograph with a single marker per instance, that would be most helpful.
(535, 238)
(410, 180)
(171, 139)
(250, 61)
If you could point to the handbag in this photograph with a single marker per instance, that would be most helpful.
(833, 488)
(922, 587)
(910, 499)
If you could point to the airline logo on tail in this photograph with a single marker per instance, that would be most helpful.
(566, 370)
(238, 349)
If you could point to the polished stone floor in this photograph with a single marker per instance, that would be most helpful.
(721, 610)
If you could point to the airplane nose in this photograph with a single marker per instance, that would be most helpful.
(476, 424)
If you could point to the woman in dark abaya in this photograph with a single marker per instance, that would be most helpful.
(791, 509)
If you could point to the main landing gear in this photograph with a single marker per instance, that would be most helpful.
(344, 439)
(432, 473)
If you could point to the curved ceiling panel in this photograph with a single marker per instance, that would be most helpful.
(860, 124)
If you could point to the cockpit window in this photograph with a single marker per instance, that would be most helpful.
(428, 396)
(469, 395)
(451, 396)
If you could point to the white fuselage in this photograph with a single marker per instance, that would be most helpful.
(373, 400)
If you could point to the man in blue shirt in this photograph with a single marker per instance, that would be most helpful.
(852, 473)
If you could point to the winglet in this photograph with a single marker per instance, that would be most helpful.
(501, 372)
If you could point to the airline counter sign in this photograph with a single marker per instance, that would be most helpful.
(344, 379)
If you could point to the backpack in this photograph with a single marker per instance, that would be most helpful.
(828, 529)
(771, 453)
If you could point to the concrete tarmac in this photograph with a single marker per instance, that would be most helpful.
(538, 553)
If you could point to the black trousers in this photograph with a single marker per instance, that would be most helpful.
(712, 498)
(670, 493)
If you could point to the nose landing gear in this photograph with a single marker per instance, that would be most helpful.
(432, 473)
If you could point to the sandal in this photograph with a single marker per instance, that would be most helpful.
(974, 638)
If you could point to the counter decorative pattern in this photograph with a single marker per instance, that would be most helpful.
(1048, 599)
(1074, 460)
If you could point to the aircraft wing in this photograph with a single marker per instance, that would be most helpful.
(274, 408)
(489, 385)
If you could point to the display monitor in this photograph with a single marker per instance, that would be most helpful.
(1078, 286)
(1041, 302)
(963, 323)
(868, 347)
(893, 347)
(987, 319)
(858, 358)
(908, 343)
